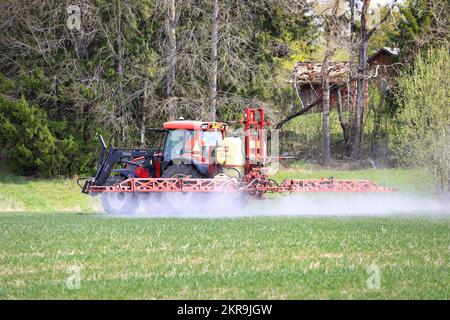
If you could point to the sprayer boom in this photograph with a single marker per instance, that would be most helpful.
(256, 186)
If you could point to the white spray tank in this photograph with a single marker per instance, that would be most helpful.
(234, 160)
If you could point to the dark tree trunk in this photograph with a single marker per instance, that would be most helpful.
(351, 86)
(120, 63)
(361, 83)
(378, 112)
(119, 39)
(213, 70)
(144, 112)
(329, 51)
(326, 109)
(344, 123)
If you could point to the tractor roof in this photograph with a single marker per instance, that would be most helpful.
(193, 125)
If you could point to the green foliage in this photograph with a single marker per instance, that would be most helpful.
(383, 37)
(422, 135)
(5, 84)
(422, 24)
(31, 147)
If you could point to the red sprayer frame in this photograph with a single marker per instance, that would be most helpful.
(256, 186)
(254, 140)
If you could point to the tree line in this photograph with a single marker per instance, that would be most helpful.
(70, 71)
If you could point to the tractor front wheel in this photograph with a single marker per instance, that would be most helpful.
(119, 202)
(181, 202)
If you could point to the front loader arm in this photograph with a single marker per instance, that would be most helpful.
(112, 156)
(118, 156)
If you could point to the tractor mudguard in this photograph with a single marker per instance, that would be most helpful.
(128, 173)
(202, 167)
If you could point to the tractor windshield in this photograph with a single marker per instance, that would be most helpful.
(211, 138)
(185, 142)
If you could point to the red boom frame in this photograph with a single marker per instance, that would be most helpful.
(256, 186)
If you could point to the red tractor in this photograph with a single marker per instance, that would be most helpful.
(198, 158)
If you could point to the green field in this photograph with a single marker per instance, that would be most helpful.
(267, 258)
(246, 258)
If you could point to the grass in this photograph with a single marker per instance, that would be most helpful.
(63, 195)
(246, 258)
(41, 195)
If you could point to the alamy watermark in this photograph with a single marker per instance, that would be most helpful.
(74, 19)
(374, 280)
(73, 281)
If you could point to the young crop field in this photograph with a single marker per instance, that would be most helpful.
(246, 258)
(76, 253)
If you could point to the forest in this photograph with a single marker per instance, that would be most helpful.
(71, 70)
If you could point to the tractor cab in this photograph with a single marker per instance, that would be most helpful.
(194, 140)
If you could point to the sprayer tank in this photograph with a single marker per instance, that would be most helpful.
(234, 157)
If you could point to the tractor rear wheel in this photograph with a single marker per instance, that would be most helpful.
(180, 202)
(119, 202)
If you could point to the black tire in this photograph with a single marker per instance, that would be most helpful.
(180, 202)
(182, 171)
(119, 202)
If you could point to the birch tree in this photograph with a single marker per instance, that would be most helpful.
(331, 29)
(170, 25)
(213, 68)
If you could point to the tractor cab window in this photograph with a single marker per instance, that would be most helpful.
(176, 143)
